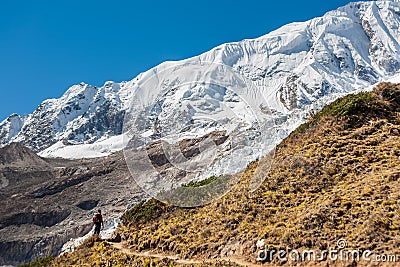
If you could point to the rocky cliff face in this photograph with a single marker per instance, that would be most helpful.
(44, 203)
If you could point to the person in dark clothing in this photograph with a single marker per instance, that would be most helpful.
(98, 222)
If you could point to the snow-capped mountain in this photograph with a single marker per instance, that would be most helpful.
(84, 114)
(297, 68)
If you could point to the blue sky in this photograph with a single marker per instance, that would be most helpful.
(47, 45)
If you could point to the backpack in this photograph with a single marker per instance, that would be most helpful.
(96, 218)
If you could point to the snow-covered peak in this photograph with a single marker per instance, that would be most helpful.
(297, 68)
(10, 127)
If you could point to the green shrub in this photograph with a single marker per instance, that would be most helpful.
(39, 262)
(143, 212)
(202, 182)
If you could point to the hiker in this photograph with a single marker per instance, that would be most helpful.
(98, 222)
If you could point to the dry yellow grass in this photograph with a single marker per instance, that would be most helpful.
(95, 252)
(337, 176)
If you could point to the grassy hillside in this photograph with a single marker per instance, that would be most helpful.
(336, 176)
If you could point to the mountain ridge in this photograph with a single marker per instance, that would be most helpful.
(298, 68)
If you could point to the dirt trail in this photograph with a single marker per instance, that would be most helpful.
(236, 260)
